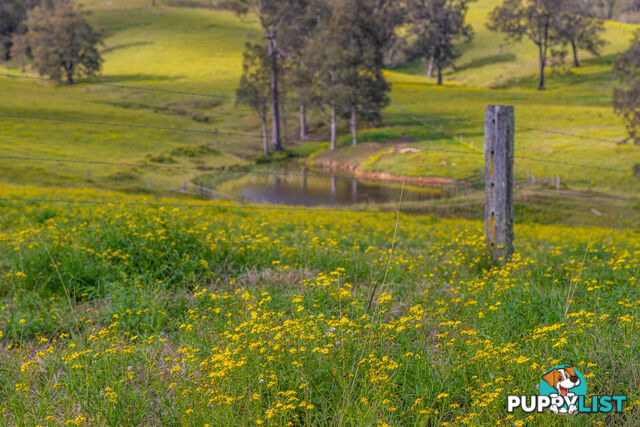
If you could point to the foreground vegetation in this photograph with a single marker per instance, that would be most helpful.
(140, 311)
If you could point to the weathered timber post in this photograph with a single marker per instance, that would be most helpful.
(558, 182)
(499, 164)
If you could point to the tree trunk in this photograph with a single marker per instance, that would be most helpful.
(69, 72)
(576, 62)
(354, 125)
(265, 137)
(432, 59)
(284, 124)
(439, 74)
(333, 128)
(611, 5)
(276, 142)
(543, 63)
(303, 123)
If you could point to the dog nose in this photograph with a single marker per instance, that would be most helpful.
(574, 379)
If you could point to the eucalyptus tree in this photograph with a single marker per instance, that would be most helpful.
(277, 18)
(533, 19)
(438, 27)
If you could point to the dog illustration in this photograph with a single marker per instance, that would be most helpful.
(563, 380)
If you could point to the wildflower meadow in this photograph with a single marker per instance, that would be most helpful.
(137, 310)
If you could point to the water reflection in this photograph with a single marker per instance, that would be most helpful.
(314, 188)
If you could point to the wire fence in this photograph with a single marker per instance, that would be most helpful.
(429, 121)
(316, 106)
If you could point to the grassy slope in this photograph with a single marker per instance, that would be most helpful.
(576, 101)
(200, 50)
(174, 48)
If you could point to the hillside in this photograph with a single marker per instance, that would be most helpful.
(199, 50)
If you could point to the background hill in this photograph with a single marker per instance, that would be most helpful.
(198, 49)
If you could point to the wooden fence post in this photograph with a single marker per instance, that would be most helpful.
(499, 163)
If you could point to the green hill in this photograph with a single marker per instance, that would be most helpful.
(200, 50)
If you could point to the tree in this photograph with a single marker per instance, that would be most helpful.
(19, 52)
(578, 29)
(62, 42)
(344, 62)
(608, 8)
(535, 19)
(315, 21)
(322, 64)
(360, 37)
(12, 15)
(275, 17)
(253, 89)
(626, 96)
(437, 27)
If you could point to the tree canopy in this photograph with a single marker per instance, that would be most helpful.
(626, 96)
(437, 28)
(62, 42)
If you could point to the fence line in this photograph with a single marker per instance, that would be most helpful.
(210, 169)
(310, 105)
(337, 209)
(197, 206)
(581, 165)
(129, 125)
(191, 93)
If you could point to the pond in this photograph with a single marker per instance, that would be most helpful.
(299, 186)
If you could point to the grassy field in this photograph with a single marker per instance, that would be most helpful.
(132, 309)
(200, 49)
(135, 314)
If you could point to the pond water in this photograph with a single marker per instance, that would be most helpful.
(299, 186)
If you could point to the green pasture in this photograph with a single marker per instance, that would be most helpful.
(198, 49)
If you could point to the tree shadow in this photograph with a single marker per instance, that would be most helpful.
(484, 61)
(128, 78)
(600, 60)
(565, 76)
(124, 46)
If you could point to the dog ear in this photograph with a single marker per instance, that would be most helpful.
(551, 377)
(571, 371)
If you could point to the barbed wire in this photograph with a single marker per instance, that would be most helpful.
(309, 105)
(218, 169)
(311, 209)
(129, 125)
(201, 94)
(198, 206)
(573, 135)
(563, 163)
(561, 193)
